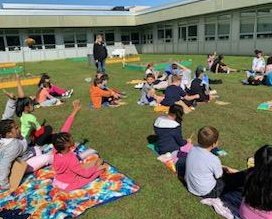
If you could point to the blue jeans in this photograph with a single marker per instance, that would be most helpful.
(100, 65)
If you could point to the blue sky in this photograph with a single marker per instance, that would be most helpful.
(93, 2)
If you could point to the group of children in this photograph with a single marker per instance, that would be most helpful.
(202, 172)
(179, 89)
(216, 64)
(261, 71)
(25, 141)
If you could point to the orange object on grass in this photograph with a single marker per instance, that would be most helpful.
(96, 95)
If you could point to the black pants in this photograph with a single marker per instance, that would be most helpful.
(228, 183)
(46, 137)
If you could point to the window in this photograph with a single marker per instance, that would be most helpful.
(13, 42)
(147, 37)
(135, 38)
(10, 39)
(2, 44)
(247, 27)
(81, 39)
(192, 33)
(43, 38)
(165, 33)
(110, 38)
(210, 32)
(183, 33)
(247, 24)
(264, 25)
(125, 38)
(49, 41)
(38, 41)
(74, 38)
(223, 27)
(160, 34)
(69, 40)
(168, 35)
(128, 37)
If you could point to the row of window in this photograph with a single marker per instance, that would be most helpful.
(45, 39)
(252, 23)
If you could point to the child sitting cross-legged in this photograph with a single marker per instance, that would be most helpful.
(101, 97)
(204, 175)
(174, 94)
(147, 91)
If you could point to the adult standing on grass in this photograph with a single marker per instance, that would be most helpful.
(100, 53)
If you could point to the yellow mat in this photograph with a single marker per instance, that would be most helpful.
(121, 60)
(7, 65)
(161, 109)
(24, 82)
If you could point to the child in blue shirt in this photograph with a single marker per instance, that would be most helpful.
(174, 93)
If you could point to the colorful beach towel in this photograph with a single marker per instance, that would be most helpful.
(37, 197)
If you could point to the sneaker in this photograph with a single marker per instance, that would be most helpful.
(140, 103)
(71, 91)
(153, 103)
(139, 86)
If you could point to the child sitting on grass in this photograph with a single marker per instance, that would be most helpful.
(101, 97)
(13, 146)
(150, 70)
(147, 92)
(257, 201)
(53, 89)
(168, 130)
(205, 176)
(70, 173)
(31, 129)
(210, 60)
(45, 99)
(174, 94)
(201, 87)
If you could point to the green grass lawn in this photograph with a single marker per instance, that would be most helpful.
(120, 134)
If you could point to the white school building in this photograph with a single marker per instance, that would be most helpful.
(233, 27)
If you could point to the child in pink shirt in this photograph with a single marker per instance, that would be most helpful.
(70, 172)
(44, 98)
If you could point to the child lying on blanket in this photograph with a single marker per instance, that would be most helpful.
(147, 92)
(168, 130)
(53, 89)
(204, 175)
(44, 98)
(70, 172)
(174, 94)
(257, 191)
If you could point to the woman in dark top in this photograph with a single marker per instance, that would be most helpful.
(220, 67)
(100, 54)
(169, 131)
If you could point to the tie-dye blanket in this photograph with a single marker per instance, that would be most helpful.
(40, 199)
